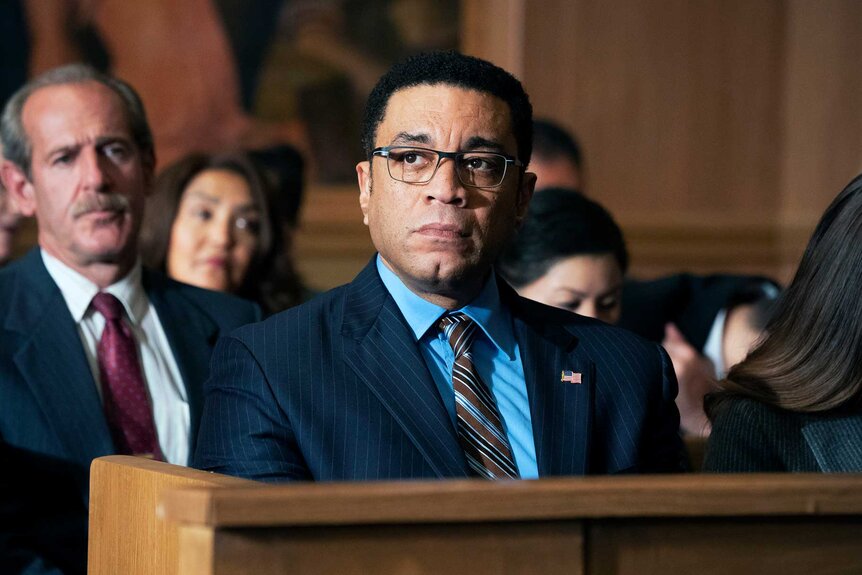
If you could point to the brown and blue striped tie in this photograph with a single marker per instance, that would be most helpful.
(480, 428)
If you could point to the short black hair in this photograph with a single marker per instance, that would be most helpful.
(552, 141)
(561, 223)
(454, 69)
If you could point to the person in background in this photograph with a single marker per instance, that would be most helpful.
(427, 365)
(557, 159)
(795, 403)
(688, 314)
(213, 221)
(98, 356)
(571, 254)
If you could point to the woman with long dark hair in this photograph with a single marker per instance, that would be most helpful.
(213, 221)
(795, 403)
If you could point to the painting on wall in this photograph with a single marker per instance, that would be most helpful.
(218, 74)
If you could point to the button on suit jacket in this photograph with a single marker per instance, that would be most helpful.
(51, 419)
(337, 389)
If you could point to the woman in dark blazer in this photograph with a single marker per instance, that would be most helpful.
(216, 221)
(795, 403)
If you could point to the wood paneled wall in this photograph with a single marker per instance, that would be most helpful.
(717, 132)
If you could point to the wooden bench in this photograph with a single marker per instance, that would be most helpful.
(209, 524)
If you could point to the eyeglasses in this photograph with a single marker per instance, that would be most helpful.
(418, 165)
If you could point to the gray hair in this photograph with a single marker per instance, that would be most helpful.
(16, 145)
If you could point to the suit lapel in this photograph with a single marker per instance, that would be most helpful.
(52, 361)
(836, 443)
(561, 412)
(185, 332)
(380, 350)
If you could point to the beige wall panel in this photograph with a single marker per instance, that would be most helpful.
(676, 102)
(822, 115)
(823, 110)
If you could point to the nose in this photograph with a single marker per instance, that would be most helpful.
(588, 308)
(445, 186)
(220, 232)
(94, 175)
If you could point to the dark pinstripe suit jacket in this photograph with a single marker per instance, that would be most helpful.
(750, 436)
(337, 389)
(51, 419)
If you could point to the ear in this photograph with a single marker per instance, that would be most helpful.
(19, 188)
(526, 188)
(363, 175)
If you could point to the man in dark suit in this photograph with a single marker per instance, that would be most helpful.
(427, 364)
(97, 356)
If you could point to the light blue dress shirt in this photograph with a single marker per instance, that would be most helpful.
(496, 357)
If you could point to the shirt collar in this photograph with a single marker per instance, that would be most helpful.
(78, 291)
(421, 315)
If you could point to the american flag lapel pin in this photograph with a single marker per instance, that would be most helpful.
(567, 376)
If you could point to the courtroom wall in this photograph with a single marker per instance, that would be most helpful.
(716, 131)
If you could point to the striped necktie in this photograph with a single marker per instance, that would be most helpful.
(480, 428)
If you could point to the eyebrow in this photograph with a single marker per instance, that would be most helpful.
(474, 143)
(210, 199)
(113, 139)
(577, 293)
(480, 142)
(407, 137)
(99, 142)
(63, 149)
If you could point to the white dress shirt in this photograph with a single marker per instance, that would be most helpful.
(161, 373)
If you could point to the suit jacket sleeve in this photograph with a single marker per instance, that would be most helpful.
(664, 451)
(14, 560)
(17, 561)
(42, 531)
(243, 431)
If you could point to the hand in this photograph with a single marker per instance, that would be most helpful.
(696, 377)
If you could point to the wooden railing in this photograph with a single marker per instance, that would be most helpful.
(787, 524)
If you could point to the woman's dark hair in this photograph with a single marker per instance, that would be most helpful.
(560, 223)
(271, 279)
(810, 359)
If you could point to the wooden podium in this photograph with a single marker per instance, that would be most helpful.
(645, 525)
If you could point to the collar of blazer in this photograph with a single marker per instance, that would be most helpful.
(836, 442)
(50, 359)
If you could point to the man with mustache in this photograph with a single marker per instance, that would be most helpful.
(427, 364)
(97, 356)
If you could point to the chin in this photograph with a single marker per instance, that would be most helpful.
(449, 275)
(109, 245)
(213, 284)
(110, 255)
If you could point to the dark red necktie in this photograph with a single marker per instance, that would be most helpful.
(127, 406)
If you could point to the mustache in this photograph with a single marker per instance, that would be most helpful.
(100, 203)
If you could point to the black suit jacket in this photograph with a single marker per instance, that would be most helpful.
(337, 389)
(749, 436)
(51, 419)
